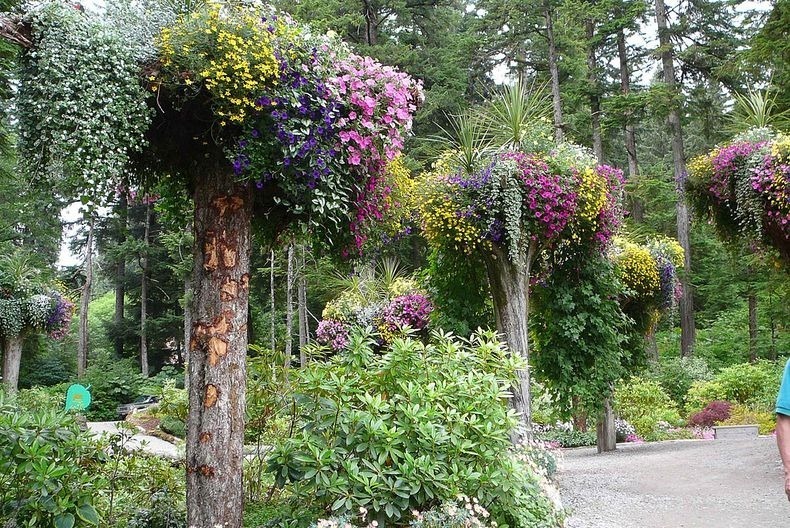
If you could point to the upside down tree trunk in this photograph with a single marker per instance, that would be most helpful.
(289, 308)
(510, 292)
(218, 347)
(12, 358)
(301, 298)
(606, 434)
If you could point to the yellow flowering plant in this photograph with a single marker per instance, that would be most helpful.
(226, 49)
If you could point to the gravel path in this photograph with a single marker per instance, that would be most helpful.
(149, 444)
(681, 484)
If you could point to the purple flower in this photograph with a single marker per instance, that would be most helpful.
(332, 333)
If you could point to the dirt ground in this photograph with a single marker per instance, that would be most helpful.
(682, 484)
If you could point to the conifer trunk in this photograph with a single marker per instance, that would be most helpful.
(752, 299)
(144, 295)
(686, 304)
(510, 292)
(554, 70)
(637, 207)
(120, 278)
(301, 298)
(595, 97)
(218, 347)
(85, 299)
(289, 308)
(12, 358)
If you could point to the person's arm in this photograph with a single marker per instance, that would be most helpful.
(783, 442)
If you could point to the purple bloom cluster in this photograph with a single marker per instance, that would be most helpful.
(333, 333)
(59, 320)
(771, 179)
(611, 216)
(726, 162)
(412, 310)
(667, 279)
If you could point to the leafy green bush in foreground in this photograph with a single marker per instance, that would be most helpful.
(408, 429)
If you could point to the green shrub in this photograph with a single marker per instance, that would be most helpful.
(644, 404)
(174, 402)
(42, 398)
(676, 375)
(173, 426)
(112, 382)
(753, 384)
(280, 513)
(568, 438)
(743, 415)
(48, 470)
(141, 490)
(403, 430)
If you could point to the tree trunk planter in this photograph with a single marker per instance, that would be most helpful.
(735, 432)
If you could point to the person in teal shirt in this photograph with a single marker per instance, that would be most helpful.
(783, 425)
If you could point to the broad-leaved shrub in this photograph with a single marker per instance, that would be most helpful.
(409, 428)
(644, 404)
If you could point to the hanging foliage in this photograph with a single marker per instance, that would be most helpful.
(744, 188)
(81, 106)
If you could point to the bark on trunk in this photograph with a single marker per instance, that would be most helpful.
(301, 297)
(510, 292)
(289, 308)
(687, 326)
(187, 328)
(595, 98)
(651, 345)
(371, 23)
(555, 73)
(218, 347)
(120, 278)
(752, 325)
(12, 358)
(85, 299)
(606, 434)
(144, 295)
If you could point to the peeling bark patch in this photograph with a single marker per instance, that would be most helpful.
(206, 471)
(213, 338)
(228, 254)
(210, 257)
(222, 204)
(245, 282)
(212, 393)
(229, 290)
(204, 437)
(217, 348)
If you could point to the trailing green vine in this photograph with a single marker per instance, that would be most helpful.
(82, 110)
